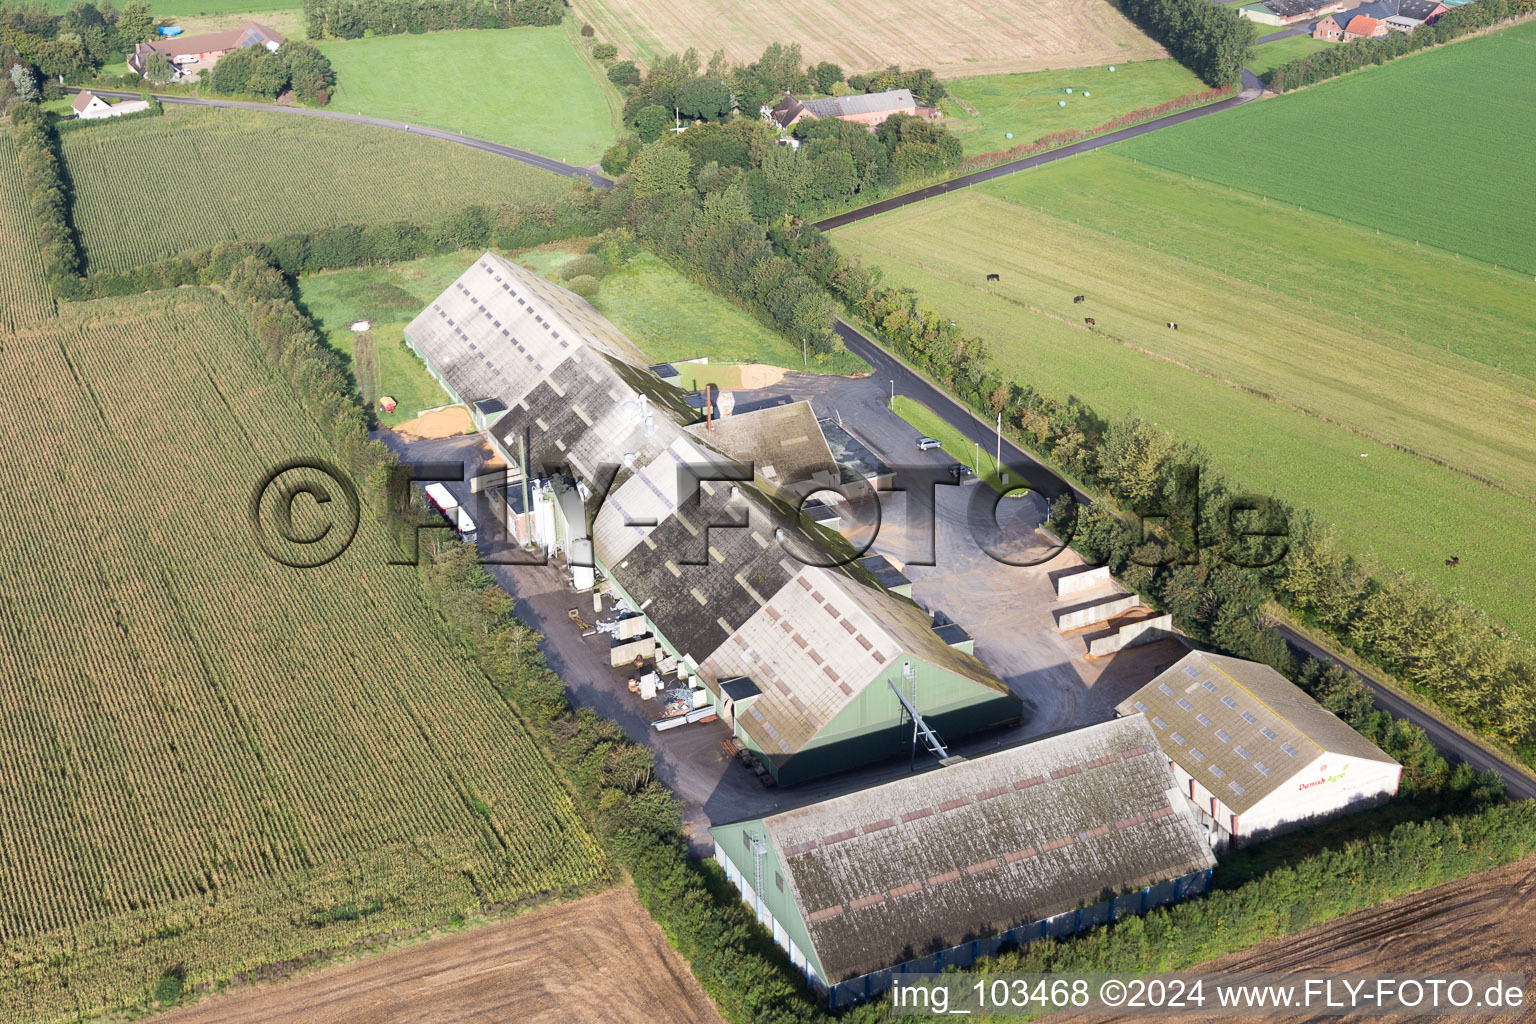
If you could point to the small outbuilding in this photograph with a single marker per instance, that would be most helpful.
(89, 107)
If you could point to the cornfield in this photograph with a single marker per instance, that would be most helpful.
(161, 186)
(23, 295)
(210, 762)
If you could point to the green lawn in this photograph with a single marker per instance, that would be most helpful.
(1271, 55)
(931, 424)
(671, 319)
(665, 314)
(1304, 344)
(983, 110)
(525, 87)
(1451, 169)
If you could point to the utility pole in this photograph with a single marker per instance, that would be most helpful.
(893, 396)
(999, 446)
(804, 354)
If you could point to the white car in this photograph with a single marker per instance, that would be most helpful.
(925, 443)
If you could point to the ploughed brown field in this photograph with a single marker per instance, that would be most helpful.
(593, 961)
(960, 38)
(1483, 924)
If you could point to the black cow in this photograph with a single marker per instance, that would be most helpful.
(1090, 321)
(1079, 298)
(994, 277)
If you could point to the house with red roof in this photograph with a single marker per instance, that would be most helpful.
(1362, 26)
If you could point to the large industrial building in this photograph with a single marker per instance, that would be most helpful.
(1254, 753)
(935, 870)
(801, 649)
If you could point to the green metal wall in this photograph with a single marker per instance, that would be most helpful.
(873, 726)
(733, 841)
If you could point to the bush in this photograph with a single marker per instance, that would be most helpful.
(624, 74)
(583, 266)
(585, 285)
(605, 52)
(588, 31)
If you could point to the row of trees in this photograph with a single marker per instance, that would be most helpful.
(1212, 40)
(352, 19)
(257, 71)
(75, 43)
(1360, 53)
(1437, 645)
(47, 197)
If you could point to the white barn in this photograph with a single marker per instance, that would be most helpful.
(1253, 752)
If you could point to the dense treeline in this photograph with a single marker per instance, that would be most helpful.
(1212, 40)
(47, 197)
(681, 82)
(75, 43)
(352, 19)
(1360, 53)
(1438, 646)
(257, 71)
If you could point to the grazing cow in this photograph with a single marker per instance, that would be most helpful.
(994, 277)
(1453, 561)
(1090, 321)
(1079, 298)
(1172, 326)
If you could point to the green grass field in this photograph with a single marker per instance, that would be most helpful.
(210, 762)
(1272, 55)
(1304, 344)
(983, 110)
(930, 424)
(525, 87)
(1451, 169)
(156, 187)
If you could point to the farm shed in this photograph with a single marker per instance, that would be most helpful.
(627, 485)
(935, 870)
(1288, 12)
(1255, 754)
(781, 444)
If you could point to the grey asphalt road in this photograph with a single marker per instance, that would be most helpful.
(1048, 483)
(1252, 89)
(510, 152)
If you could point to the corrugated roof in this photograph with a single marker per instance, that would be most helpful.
(927, 862)
(1240, 728)
(783, 444)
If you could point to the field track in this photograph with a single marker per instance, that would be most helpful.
(967, 37)
(594, 961)
(543, 163)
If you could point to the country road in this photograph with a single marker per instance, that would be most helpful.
(1036, 475)
(1049, 484)
(510, 152)
(1252, 89)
